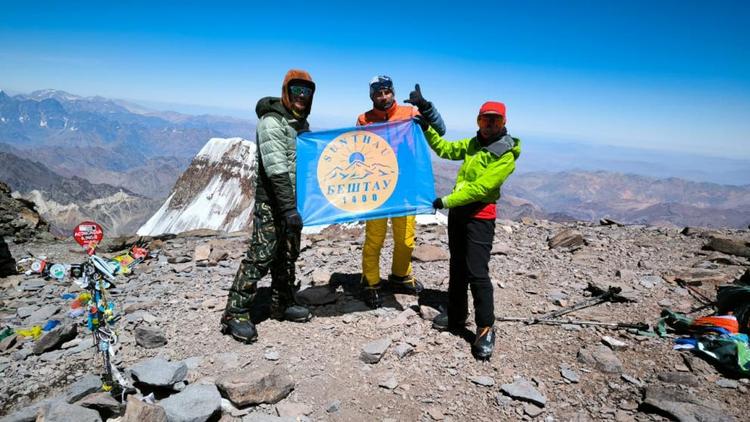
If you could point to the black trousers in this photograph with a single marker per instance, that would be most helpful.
(470, 244)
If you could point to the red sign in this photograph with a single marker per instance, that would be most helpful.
(88, 234)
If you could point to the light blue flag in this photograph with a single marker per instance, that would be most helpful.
(363, 173)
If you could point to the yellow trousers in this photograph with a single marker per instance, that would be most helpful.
(403, 245)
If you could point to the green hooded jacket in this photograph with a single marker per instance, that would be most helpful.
(484, 168)
(276, 135)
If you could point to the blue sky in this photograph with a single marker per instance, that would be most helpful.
(671, 75)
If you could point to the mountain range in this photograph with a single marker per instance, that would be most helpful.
(116, 161)
(108, 141)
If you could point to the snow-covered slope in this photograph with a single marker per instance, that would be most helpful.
(215, 192)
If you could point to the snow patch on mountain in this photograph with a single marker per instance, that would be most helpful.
(215, 192)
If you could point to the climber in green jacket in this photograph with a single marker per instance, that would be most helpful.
(489, 158)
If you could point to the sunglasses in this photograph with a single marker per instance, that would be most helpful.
(300, 90)
(489, 120)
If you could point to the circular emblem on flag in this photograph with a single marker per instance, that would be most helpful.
(88, 234)
(357, 171)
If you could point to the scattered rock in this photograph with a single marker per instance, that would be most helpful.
(625, 275)
(403, 350)
(372, 352)
(42, 314)
(321, 276)
(64, 412)
(601, 357)
(196, 403)
(728, 246)
(271, 355)
(251, 387)
(569, 239)
(436, 414)
(484, 381)
(88, 384)
(55, 338)
(523, 389)
(179, 259)
(101, 402)
(150, 338)
(292, 410)
(727, 383)
(183, 268)
(500, 248)
(389, 383)
(532, 410)
(683, 406)
(8, 342)
(138, 411)
(158, 372)
(614, 343)
(569, 375)
(631, 379)
(699, 276)
(202, 252)
(333, 406)
(650, 281)
(430, 253)
(32, 285)
(398, 320)
(680, 378)
(428, 313)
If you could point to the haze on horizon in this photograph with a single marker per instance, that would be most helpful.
(673, 76)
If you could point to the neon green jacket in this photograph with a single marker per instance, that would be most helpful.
(484, 169)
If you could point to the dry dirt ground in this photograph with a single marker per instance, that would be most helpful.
(437, 379)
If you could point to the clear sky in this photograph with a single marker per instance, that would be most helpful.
(665, 75)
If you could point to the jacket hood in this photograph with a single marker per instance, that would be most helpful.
(271, 105)
(504, 144)
(303, 78)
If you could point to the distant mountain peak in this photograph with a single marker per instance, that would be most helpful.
(215, 192)
(56, 94)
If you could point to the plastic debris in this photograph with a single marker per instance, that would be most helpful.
(35, 332)
(51, 324)
(7, 332)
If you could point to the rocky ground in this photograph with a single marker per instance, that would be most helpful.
(353, 363)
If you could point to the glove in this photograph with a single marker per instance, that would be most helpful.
(416, 99)
(438, 204)
(293, 220)
(422, 122)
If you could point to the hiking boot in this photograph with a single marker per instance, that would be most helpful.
(282, 310)
(297, 313)
(484, 343)
(441, 323)
(372, 296)
(241, 328)
(407, 284)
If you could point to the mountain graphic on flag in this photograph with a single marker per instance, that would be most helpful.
(358, 169)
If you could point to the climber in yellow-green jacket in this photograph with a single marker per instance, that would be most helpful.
(489, 158)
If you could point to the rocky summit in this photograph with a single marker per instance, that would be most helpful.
(351, 363)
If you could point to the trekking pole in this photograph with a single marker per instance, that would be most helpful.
(612, 294)
(546, 321)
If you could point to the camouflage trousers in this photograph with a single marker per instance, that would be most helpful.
(274, 247)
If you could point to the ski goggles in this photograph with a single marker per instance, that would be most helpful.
(297, 90)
